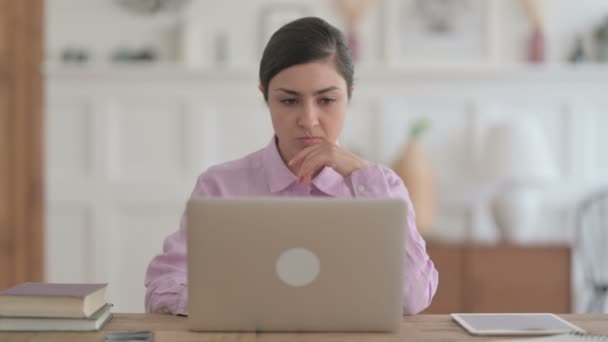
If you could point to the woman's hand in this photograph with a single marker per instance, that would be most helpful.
(312, 159)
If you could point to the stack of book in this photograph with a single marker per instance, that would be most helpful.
(54, 307)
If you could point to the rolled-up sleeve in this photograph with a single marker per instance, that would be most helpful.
(420, 276)
(166, 279)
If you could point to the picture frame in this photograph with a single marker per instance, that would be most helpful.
(273, 16)
(440, 33)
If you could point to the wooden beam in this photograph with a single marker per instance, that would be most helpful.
(21, 142)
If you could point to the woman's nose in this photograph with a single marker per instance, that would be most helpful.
(309, 116)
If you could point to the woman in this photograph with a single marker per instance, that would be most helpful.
(306, 78)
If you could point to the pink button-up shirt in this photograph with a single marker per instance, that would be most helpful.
(263, 173)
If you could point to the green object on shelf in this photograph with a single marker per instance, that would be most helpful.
(419, 127)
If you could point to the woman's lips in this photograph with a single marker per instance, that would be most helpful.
(309, 140)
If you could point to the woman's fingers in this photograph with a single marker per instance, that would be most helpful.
(313, 162)
(302, 154)
(313, 158)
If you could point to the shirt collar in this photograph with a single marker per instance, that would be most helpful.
(331, 183)
(279, 177)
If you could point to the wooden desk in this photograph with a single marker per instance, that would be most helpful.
(173, 329)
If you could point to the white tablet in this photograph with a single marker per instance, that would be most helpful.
(514, 324)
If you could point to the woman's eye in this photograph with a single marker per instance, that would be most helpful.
(288, 102)
(327, 100)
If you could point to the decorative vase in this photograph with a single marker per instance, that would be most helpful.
(353, 11)
(190, 44)
(417, 173)
(601, 41)
(535, 10)
(353, 43)
(516, 211)
(536, 47)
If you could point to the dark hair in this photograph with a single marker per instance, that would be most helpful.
(302, 41)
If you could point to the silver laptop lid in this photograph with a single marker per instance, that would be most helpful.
(295, 264)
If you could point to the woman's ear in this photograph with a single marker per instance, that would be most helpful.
(350, 95)
(261, 87)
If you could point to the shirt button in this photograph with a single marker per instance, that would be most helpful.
(361, 188)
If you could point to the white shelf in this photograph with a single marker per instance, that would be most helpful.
(544, 73)
(145, 71)
(168, 71)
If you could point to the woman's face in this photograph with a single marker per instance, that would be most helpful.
(307, 104)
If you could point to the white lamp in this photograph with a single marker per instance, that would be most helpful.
(517, 161)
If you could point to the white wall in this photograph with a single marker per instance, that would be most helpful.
(112, 200)
(101, 26)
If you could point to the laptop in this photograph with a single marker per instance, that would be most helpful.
(295, 264)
